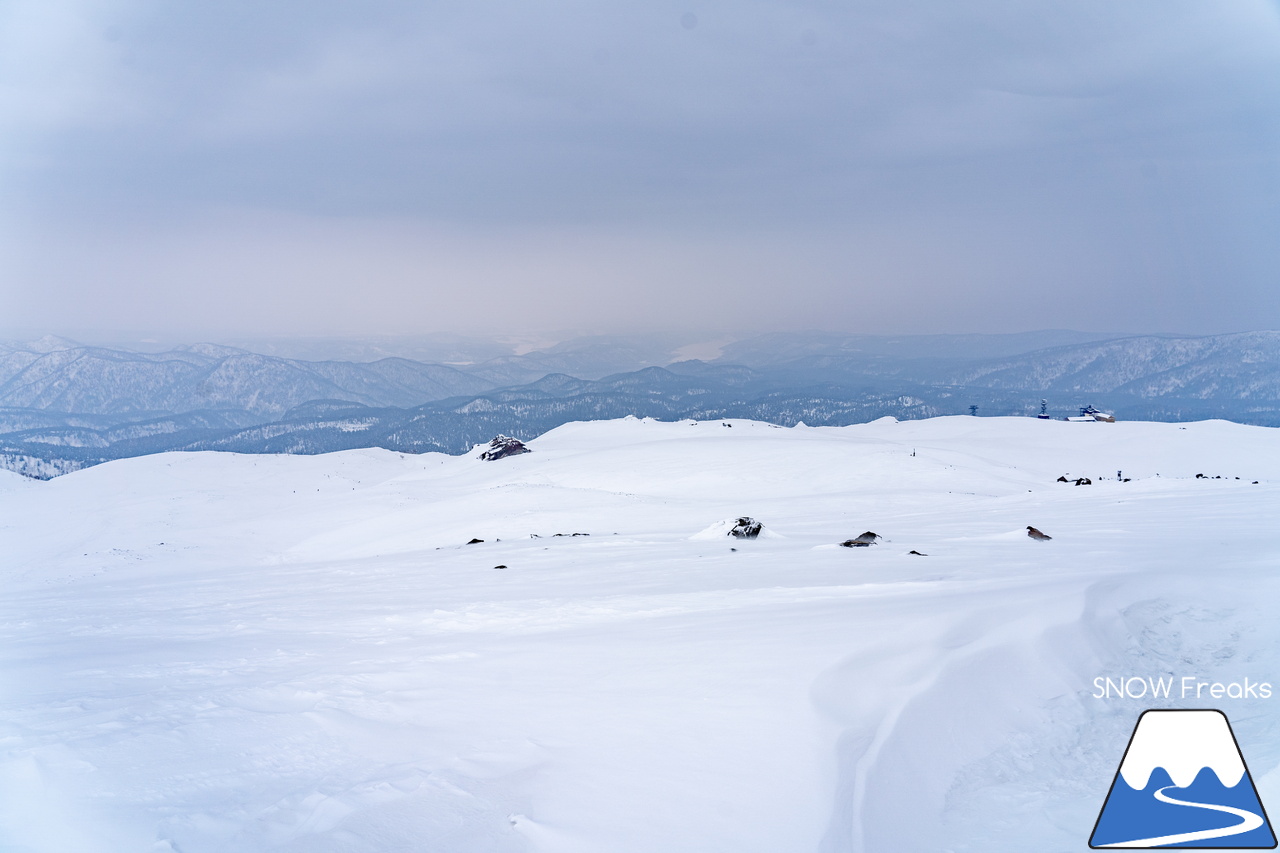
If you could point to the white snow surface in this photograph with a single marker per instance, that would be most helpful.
(1183, 743)
(212, 652)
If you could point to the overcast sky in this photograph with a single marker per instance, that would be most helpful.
(303, 167)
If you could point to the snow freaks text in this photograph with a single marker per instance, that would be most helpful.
(1174, 687)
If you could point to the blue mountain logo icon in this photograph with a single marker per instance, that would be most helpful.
(1183, 783)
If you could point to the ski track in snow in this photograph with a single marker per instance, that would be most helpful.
(205, 652)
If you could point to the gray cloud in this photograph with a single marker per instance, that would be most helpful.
(943, 166)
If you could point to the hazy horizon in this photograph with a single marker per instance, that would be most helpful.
(692, 344)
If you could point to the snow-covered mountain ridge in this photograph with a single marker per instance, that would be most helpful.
(97, 380)
(208, 652)
(831, 380)
(62, 376)
(1244, 366)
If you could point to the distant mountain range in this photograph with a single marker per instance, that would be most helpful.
(64, 406)
(94, 380)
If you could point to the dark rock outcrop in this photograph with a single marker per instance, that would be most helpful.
(503, 446)
(862, 541)
(746, 528)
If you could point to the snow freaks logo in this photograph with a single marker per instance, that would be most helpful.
(1187, 687)
(1183, 783)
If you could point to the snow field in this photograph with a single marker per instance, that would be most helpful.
(210, 652)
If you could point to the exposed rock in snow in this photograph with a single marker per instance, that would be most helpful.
(742, 527)
(862, 540)
(503, 446)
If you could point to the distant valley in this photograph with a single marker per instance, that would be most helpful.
(64, 406)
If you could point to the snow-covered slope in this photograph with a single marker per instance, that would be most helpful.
(210, 652)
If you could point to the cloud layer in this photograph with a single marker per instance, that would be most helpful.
(299, 167)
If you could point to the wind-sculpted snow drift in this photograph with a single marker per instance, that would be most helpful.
(208, 652)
